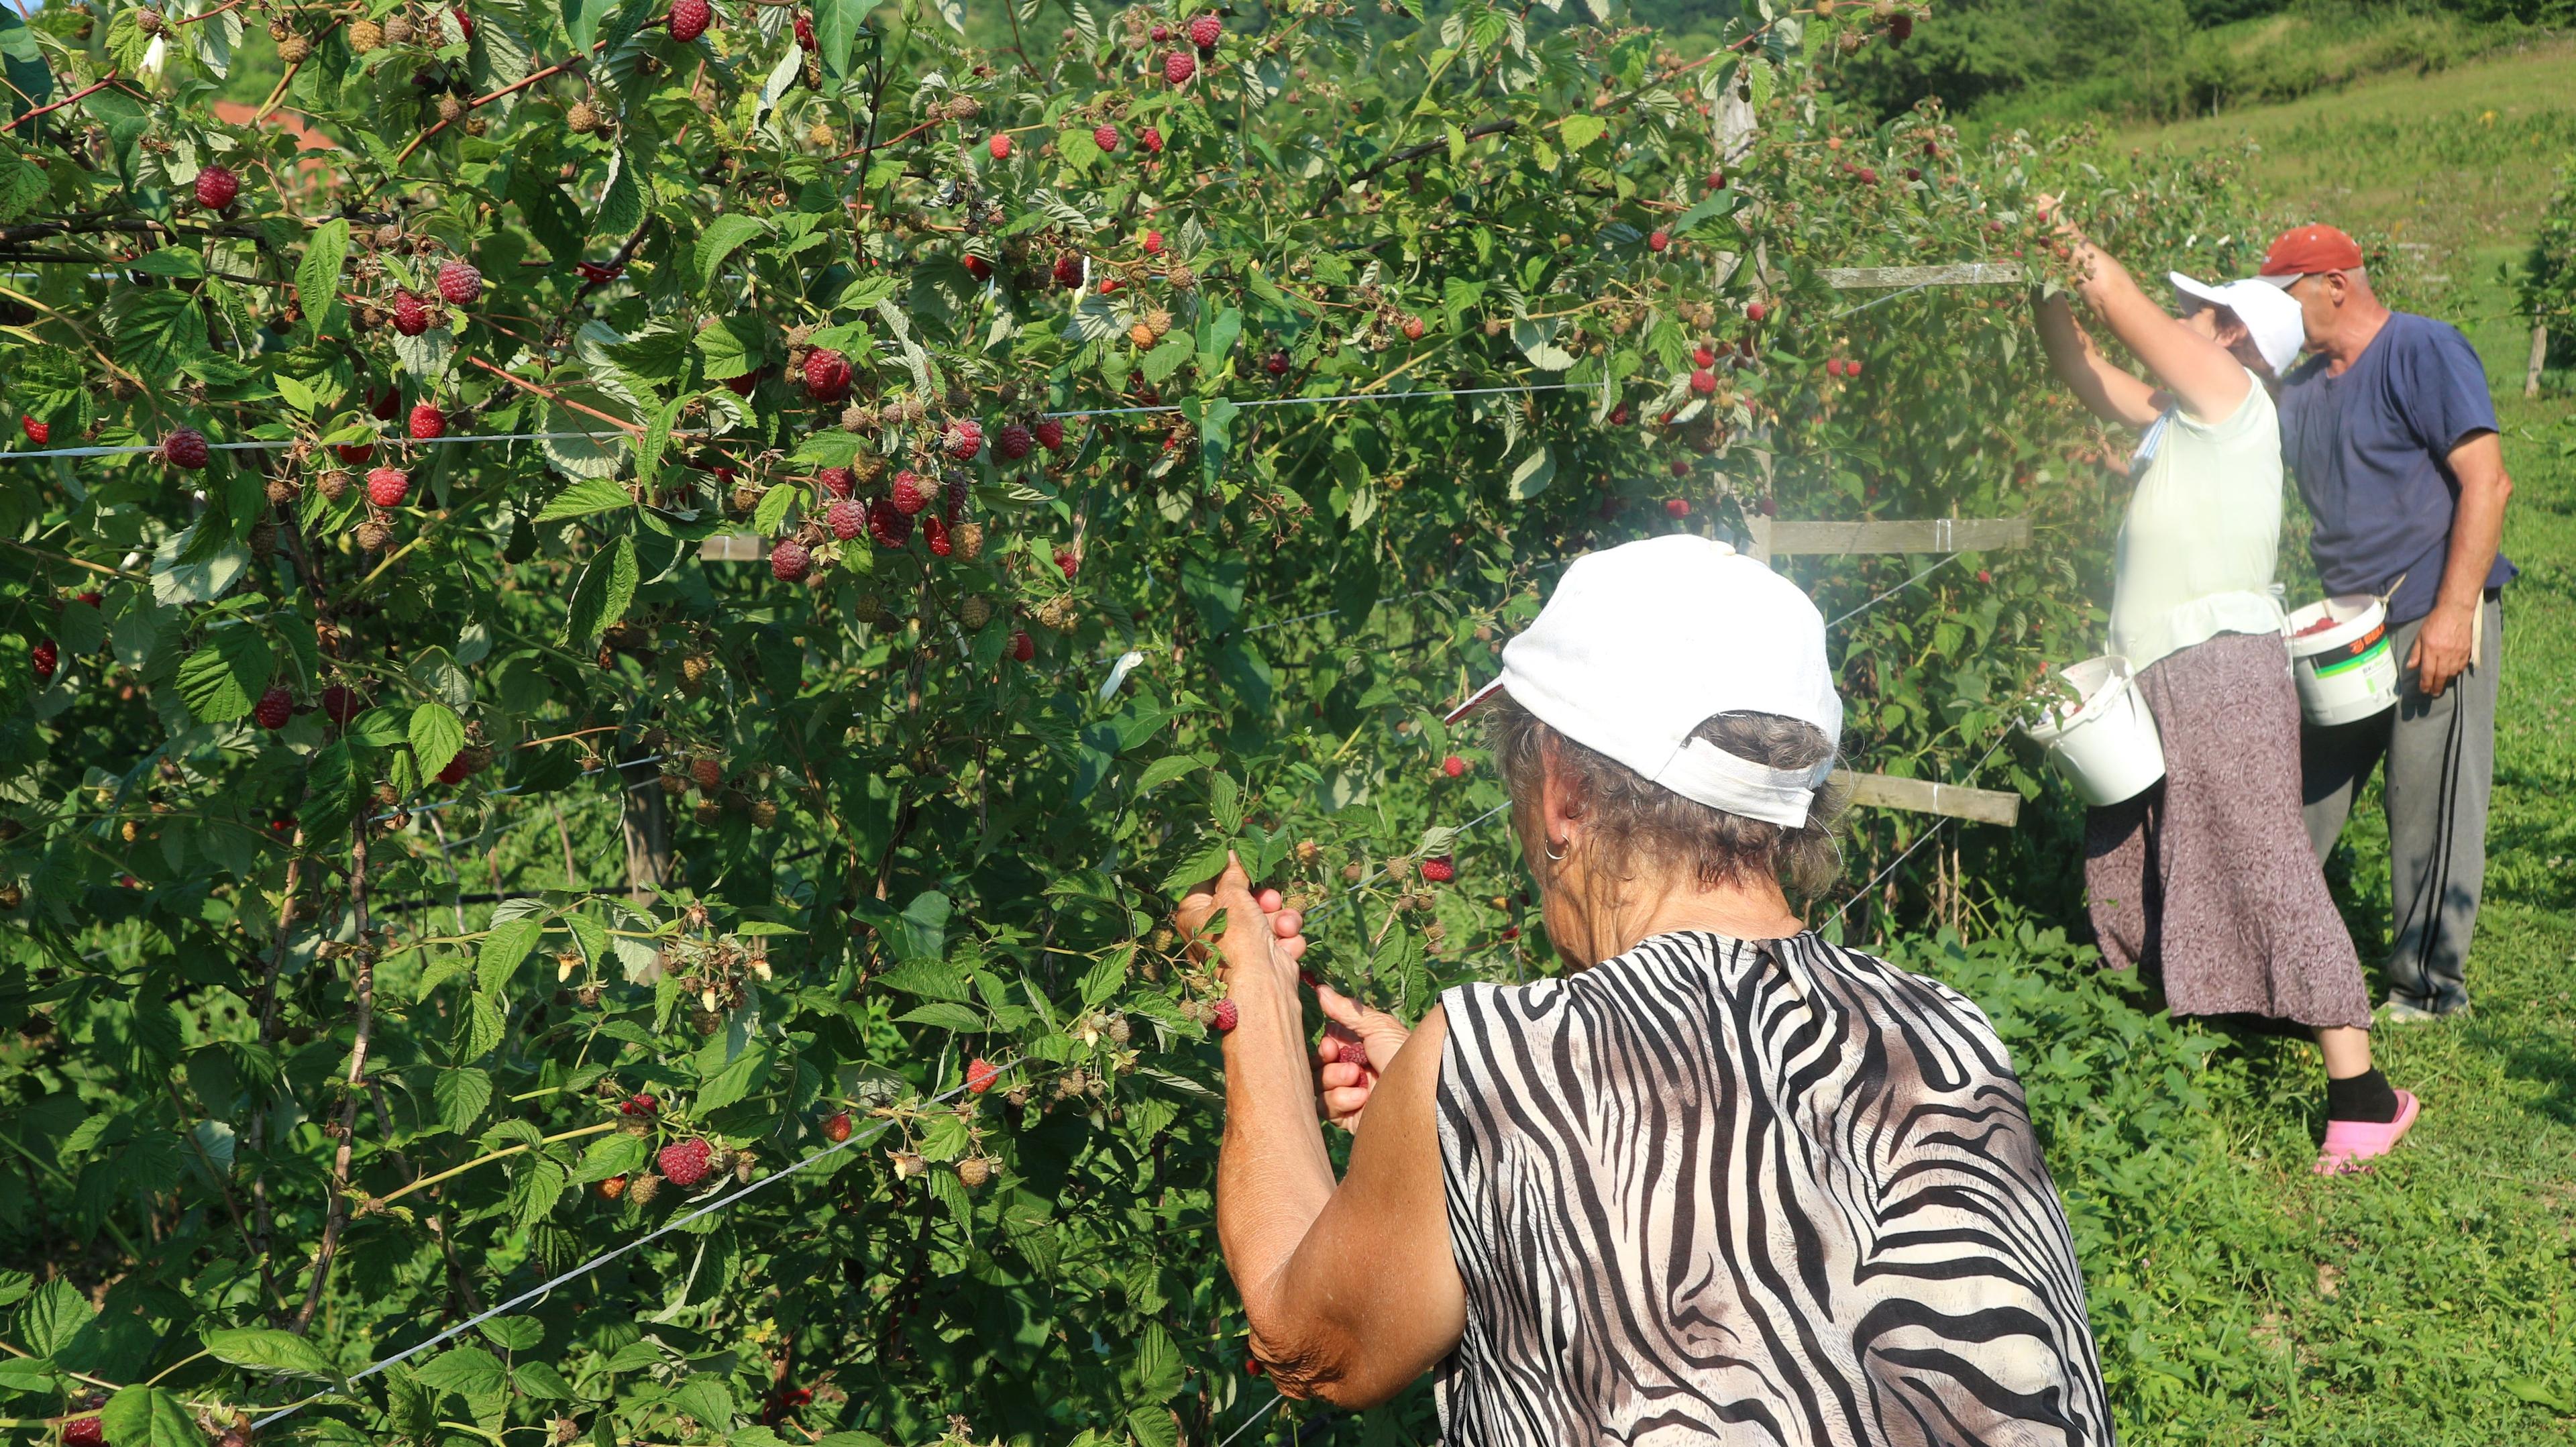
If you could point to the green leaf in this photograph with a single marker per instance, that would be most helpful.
(1155, 1427)
(1169, 767)
(1197, 869)
(774, 504)
(332, 794)
(221, 680)
(541, 1381)
(609, 1155)
(467, 1371)
(737, 1080)
(621, 203)
(945, 1016)
(836, 29)
(436, 735)
(935, 978)
(262, 1349)
(317, 273)
(1076, 148)
(480, 1028)
(31, 80)
(1721, 204)
(149, 1417)
(1581, 129)
(723, 236)
(607, 586)
(504, 949)
(706, 1397)
(1533, 475)
(922, 932)
(587, 495)
(461, 1096)
(53, 1315)
(1166, 359)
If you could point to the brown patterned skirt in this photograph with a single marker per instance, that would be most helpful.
(2207, 878)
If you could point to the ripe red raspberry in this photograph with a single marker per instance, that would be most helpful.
(464, 22)
(1226, 1015)
(1717, 180)
(788, 562)
(1161, 32)
(1351, 1052)
(1068, 562)
(1206, 31)
(1105, 137)
(1914, 173)
(1049, 433)
(978, 268)
(934, 534)
(47, 656)
(1677, 507)
(1900, 29)
(827, 374)
(36, 431)
(1179, 66)
(685, 1163)
(1868, 176)
(1619, 415)
(341, 704)
(1851, 368)
(909, 494)
(1703, 357)
(460, 283)
(1153, 243)
(1985, 575)
(836, 482)
(689, 21)
(185, 448)
(1755, 311)
(1151, 139)
(411, 314)
(965, 439)
(836, 1127)
(1439, 869)
(274, 708)
(1023, 647)
(1013, 441)
(1276, 364)
(456, 770)
(1679, 468)
(891, 529)
(1412, 329)
(1704, 382)
(639, 1104)
(1000, 147)
(805, 29)
(707, 774)
(216, 187)
(91, 596)
(388, 486)
(427, 422)
(1068, 270)
(90, 1431)
(980, 1075)
(847, 519)
(1453, 766)
(1656, 241)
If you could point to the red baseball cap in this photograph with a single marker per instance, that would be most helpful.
(2306, 250)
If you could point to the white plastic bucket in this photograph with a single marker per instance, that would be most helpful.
(2345, 668)
(2106, 745)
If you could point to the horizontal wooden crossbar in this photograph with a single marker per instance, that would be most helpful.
(1776, 537)
(1922, 796)
(1962, 273)
(733, 548)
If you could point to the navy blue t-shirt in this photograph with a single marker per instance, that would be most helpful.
(2372, 450)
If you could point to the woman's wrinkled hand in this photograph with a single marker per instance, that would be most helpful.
(1357, 1045)
(1259, 928)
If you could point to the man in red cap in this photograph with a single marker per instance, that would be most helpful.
(2392, 433)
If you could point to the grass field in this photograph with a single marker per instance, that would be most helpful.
(2433, 1303)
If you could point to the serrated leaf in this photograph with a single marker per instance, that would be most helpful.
(607, 586)
(1197, 869)
(934, 978)
(480, 1028)
(224, 678)
(586, 496)
(1169, 767)
(723, 236)
(467, 1370)
(541, 1381)
(55, 1312)
(504, 948)
(836, 29)
(1532, 476)
(609, 1155)
(737, 1080)
(1581, 129)
(1225, 801)
(513, 1333)
(1166, 359)
(436, 734)
(263, 1349)
(774, 505)
(1537, 341)
(945, 1016)
(149, 1417)
(460, 1096)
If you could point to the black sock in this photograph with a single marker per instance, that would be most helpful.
(2363, 1097)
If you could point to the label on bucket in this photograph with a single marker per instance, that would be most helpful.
(2355, 654)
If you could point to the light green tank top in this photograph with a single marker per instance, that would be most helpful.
(2202, 540)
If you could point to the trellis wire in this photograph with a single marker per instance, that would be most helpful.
(1881, 877)
(281, 443)
(594, 1263)
(1946, 560)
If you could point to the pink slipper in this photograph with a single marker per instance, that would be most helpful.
(2349, 1143)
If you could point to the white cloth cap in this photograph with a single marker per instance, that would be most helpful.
(2270, 315)
(1642, 643)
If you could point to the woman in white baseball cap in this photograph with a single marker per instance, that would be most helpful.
(1721, 1180)
(2206, 878)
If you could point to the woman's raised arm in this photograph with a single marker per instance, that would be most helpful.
(1350, 1288)
(2107, 391)
(2210, 383)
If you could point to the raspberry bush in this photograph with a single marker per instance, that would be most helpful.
(420, 888)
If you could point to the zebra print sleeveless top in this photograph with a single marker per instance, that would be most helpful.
(1713, 1191)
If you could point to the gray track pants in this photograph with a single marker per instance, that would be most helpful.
(2440, 754)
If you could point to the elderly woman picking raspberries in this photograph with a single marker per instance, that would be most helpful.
(1721, 1181)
